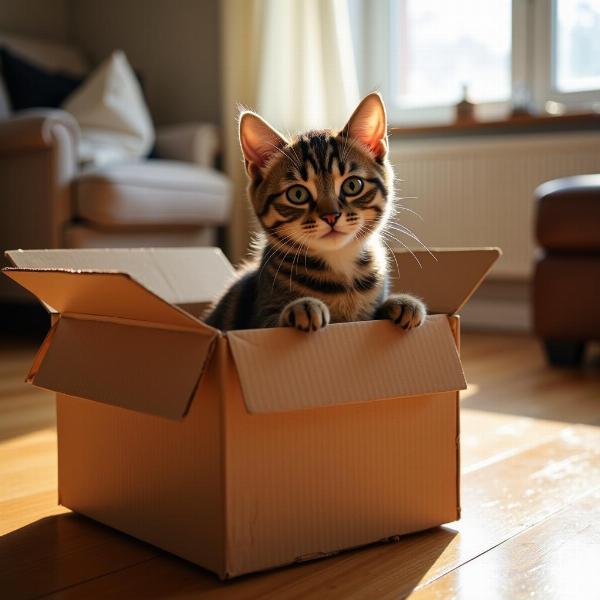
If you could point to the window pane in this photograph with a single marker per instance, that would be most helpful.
(438, 46)
(577, 45)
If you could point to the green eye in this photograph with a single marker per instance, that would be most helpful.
(352, 186)
(298, 194)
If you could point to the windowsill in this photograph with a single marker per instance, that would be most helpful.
(510, 125)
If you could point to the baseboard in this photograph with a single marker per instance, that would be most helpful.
(499, 306)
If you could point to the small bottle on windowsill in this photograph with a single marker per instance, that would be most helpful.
(465, 109)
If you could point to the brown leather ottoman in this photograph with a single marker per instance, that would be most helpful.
(566, 291)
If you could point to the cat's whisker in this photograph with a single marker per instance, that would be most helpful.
(410, 210)
(395, 239)
(294, 260)
(410, 234)
(393, 256)
(276, 246)
(279, 267)
(293, 150)
(292, 267)
(280, 150)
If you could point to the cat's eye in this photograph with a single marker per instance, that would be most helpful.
(352, 186)
(298, 194)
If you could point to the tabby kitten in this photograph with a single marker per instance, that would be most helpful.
(322, 199)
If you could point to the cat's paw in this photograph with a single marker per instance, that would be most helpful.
(404, 310)
(306, 314)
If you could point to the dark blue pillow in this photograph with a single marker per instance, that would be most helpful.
(30, 86)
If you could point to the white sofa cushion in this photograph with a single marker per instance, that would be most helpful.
(113, 117)
(154, 192)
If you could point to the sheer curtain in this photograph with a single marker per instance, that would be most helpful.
(292, 61)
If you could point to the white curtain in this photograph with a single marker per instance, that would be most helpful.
(292, 61)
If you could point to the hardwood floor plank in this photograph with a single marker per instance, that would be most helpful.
(558, 558)
(499, 501)
(512, 377)
(22, 511)
(28, 465)
(489, 437)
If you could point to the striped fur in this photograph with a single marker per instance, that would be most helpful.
(322, 199)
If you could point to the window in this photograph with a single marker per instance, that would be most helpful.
(576, 33)
(437, 47)
(423, 54)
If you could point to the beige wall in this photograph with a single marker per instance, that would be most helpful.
(36, 18)
(174, 44)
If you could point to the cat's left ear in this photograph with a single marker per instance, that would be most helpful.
(368, 125)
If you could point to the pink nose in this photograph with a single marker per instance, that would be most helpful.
(331, 218)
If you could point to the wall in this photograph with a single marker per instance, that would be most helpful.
(35, 18)
(174, 44)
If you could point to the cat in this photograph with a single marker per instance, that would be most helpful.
(322, 200)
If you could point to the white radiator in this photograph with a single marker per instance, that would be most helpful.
(479, 191)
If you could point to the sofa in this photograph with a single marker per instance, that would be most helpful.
(47, 200)
(566, 290)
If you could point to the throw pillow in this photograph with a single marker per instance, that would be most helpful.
(31, 86)
(112, 114)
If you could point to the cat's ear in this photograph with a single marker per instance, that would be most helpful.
(259, 141)
(368, 125)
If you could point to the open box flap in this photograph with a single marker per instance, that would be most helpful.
(445, 282)
(104, 295)
(147, 369)
(179, 275)
(284, 369)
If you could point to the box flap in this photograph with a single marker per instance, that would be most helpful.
(113, 295)
(179, 275)
(147, 369)
(446, 280)
(283, 369)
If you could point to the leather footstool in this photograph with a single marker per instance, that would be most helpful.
(566, 291)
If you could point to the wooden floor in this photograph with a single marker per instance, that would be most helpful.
(530, 496)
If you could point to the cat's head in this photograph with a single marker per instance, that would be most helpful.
(321, 190)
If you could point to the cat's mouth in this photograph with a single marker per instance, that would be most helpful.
(333, 233)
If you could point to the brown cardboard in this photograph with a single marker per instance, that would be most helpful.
(445, 278)
(347, 363)
(293, 446)
(148, 369)
(171, 273)
(103, 294)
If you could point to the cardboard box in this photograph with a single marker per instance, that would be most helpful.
(252, 449)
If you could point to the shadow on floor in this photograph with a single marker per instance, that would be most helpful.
(85, 559)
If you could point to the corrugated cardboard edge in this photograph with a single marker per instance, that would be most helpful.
(223, 357)
(454, 322)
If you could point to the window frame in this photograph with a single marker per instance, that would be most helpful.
(544, 57)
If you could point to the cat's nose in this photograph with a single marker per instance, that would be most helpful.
(331, 218)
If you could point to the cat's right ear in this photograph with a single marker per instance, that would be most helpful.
(259, 141)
